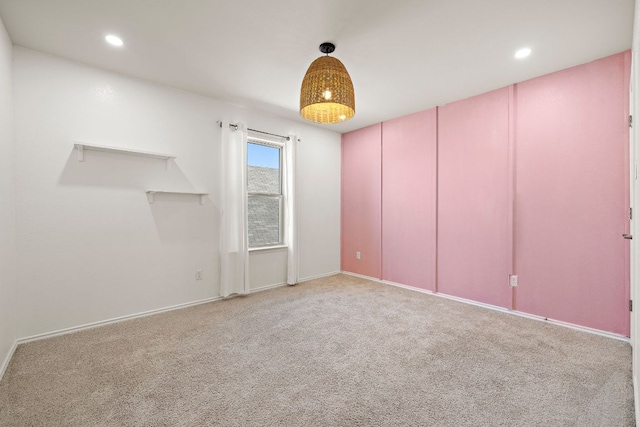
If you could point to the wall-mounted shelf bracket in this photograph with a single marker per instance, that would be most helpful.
(151, 194)
(81, 147)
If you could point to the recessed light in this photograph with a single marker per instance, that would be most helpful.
(113, 40)
(523, 53)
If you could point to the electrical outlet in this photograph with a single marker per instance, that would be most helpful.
(513, 280)
(357, 255)
(198, 274)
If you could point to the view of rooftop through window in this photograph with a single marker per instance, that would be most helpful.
(264, 190)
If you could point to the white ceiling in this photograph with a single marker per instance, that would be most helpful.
(403, 55)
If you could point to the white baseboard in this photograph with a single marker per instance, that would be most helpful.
(496, 308)
(320, 276)
(267, 287)
(362, 276)
(306, 279)
(572, 326)
(136, 315)
(114, 320)
(7, 359)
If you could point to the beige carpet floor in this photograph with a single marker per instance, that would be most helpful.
(339, 351)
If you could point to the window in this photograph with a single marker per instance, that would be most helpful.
(264, 193)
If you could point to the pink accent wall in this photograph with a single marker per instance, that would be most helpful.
(409, 150)
(572, 195)
(361, 201)
(473, 199)
(529, 180)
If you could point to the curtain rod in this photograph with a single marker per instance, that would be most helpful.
(231, 125)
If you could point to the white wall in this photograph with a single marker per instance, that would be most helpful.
(90, 246)
(267, 267)
(318, 174)
(7, 212)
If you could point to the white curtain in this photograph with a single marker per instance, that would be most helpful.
(290, 214)
(234, 265)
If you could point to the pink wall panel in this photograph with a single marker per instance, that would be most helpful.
(474, 250)
(571, 202)
(409, 150)
(361, 201)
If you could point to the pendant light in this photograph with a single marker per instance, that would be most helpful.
(326, 95)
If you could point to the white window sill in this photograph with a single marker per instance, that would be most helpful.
(268, 249)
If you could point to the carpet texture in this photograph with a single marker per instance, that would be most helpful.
(339, 351)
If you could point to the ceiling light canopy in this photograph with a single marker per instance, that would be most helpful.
(523, 53)
(327, 95)
(113, 40)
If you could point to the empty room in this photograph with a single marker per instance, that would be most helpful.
(336, 213)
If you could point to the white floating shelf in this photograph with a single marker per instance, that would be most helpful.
(81, 147)
(151, 194)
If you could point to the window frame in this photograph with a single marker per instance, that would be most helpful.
(280, 196)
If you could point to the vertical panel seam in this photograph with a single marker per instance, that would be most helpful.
(380, 252)
(512, 188)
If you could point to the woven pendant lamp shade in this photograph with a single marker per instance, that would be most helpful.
(327, 92)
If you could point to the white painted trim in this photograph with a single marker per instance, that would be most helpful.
(362, 276)
(496, 308)
(320, 276)
(636, 402)
(113, 320)
(634, 157)
(572, 326)
(264, 249)
(134, 316)
(7, 359)
(267, 287)
(411, 288)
